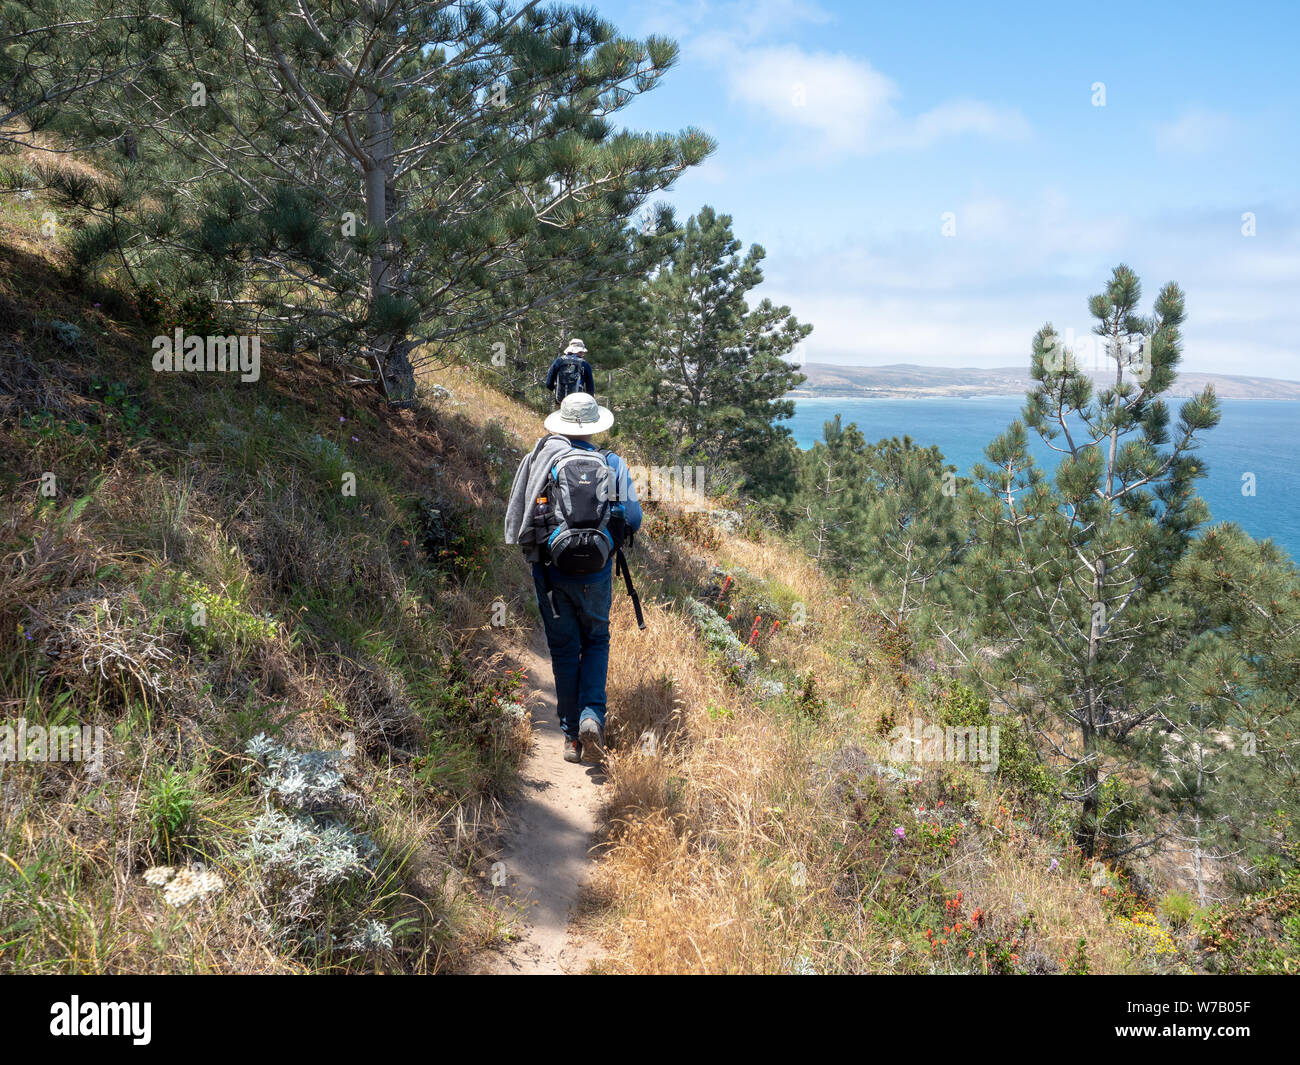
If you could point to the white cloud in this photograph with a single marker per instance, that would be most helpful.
(850, 105)
(841, 98)
(844, 102)
(882, 328)
(969, 116)
(978, 298)
(1196, 131)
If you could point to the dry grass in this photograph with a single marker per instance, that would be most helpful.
(731, 842)
(744, 832)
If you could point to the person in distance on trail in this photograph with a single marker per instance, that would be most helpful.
(572, 506)
(570, 373)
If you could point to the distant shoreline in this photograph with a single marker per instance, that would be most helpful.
(906, 394)
(907, 381)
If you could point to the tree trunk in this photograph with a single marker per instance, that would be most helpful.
(391, 350)
(1087, 833)
(1094, 721)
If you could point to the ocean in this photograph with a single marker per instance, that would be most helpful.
(1257, 436)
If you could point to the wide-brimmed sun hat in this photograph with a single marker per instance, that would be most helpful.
(575, 345)
(579, 415)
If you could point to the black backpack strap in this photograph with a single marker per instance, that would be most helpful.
(625, 537)
(543, 440)
(537, 448)
(606, 453)
(620, 566)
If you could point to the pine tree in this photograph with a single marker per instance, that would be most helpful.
(1069, 574)
(1228, 758)
(715, 371)
(54, 51)
(370, 176)
(910, 523)
(602, 300)
(832, 496)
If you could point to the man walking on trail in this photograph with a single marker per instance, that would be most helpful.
(571, 507)
(571, 372)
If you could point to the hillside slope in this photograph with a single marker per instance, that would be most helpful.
(314, 713)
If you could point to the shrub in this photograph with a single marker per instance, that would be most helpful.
(297, 857)
(226, 619)
(1018, 763)
(1260, 933)
(689, 526)
(308, 780)
(450, 539)
(169, 805)
(304, 850)
(1176, 907)
(738, 660)
(1145, 937)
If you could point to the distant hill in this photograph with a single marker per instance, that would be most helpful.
(905, 381)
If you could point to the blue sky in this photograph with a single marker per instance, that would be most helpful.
(846, 132)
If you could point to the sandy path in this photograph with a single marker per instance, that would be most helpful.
(546, 856)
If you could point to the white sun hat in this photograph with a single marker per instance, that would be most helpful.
(579, 415)
(575, 345)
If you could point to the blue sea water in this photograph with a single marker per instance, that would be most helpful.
(1254, 436)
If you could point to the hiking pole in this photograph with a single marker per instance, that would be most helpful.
(550, 591)
(620, 563)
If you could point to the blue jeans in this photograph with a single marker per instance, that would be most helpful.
(579, 643)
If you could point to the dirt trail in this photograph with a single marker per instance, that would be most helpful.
(546, 857)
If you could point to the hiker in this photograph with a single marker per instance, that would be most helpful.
(570, 373)
(571, 507)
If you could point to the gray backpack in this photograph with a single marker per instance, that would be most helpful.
(583, 520)
(580, 491)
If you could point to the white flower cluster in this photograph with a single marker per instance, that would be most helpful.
(186, 885)
(371, 935)
(305, 848)
(159, 875)
(307, 779)
(304, 856)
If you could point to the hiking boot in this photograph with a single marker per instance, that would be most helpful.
(572, 750)
(593, 740)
